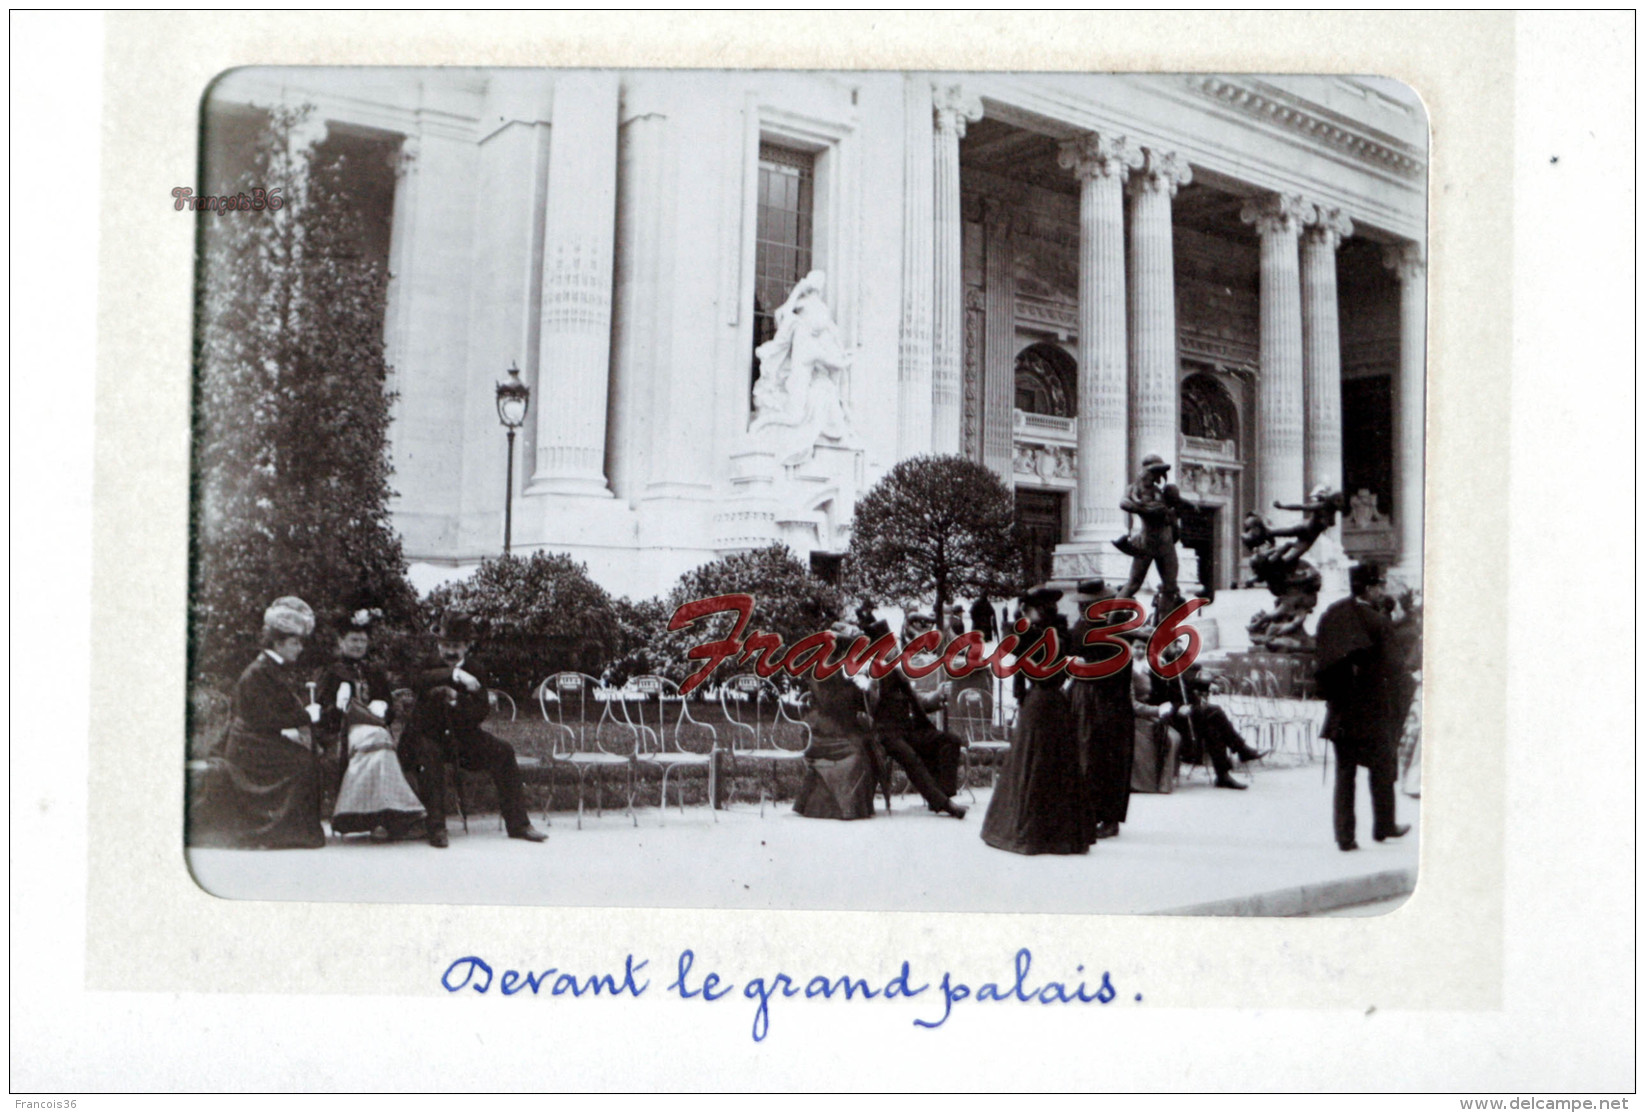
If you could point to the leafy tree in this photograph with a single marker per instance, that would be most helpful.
(535, 615)
(291, 411)
(939, 526)
(788, 601)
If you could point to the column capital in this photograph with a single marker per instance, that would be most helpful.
(1331, 226)
(996, 211)
(954, 107)
(1090, 155)
(1277, 212)
(1162, 172)
(1407, 260)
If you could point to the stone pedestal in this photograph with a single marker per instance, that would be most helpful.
(806, 504)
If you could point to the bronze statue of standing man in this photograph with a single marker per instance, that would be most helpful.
(1155, 503)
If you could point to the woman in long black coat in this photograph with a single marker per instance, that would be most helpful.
(1104, 720)
(265, 791)
(1041, 804)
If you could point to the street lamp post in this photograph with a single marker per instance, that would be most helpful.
(513, 399)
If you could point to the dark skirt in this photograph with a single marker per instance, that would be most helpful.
(840, 775)
(1105, 722)
(1041, 804)
(263, 794)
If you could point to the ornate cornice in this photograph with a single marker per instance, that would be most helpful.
(1406, 260)
(1220, 352)
(1278, 212)
(1331, 226)
(1090, 155)
(1162, 172)
(1280, 108)
(954, 107)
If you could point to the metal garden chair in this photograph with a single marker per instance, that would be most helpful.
(762, 730)
(589, 737)
(973, 720)
(670, 737)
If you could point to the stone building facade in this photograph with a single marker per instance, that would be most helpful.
(1054, 275)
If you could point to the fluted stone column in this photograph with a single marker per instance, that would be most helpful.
(999, 339)
(1279, 221)
(1407, 261)
(1154, 406)
(1322, 348)
(914, 335)
(1101, 162)
(953, 107)
(578, 238)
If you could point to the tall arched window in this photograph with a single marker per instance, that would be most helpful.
(1207, 411)
(1047, 381)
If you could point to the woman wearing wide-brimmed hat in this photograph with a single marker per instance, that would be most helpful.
(265, 791)
(1041, 804)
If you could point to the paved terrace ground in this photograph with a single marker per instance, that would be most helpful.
(1266, 851)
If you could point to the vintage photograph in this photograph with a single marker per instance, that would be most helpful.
(808, 490)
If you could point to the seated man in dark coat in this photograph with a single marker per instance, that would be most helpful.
(452, 702)
(1360, 666)
(1205, 728)
(929, 756)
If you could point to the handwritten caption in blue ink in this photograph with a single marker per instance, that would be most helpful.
(474, 973)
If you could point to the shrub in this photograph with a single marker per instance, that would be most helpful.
(535, 616)
(788, 601)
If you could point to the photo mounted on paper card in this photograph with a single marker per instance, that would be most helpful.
(933, 492)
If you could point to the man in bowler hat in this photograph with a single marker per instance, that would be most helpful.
(1360, 667)
(452, 701)
(1155, 505)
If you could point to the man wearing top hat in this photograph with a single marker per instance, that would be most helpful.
(452, 701)
(1361, 668)
(1104, 717)
(1155, 504)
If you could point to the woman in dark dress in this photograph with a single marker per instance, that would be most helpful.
(1041, 804)
(841, 765)
(265, 792)
(1104, 718)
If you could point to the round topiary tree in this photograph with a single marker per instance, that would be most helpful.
(935, 527)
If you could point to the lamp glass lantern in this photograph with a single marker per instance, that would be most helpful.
(513, 400)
